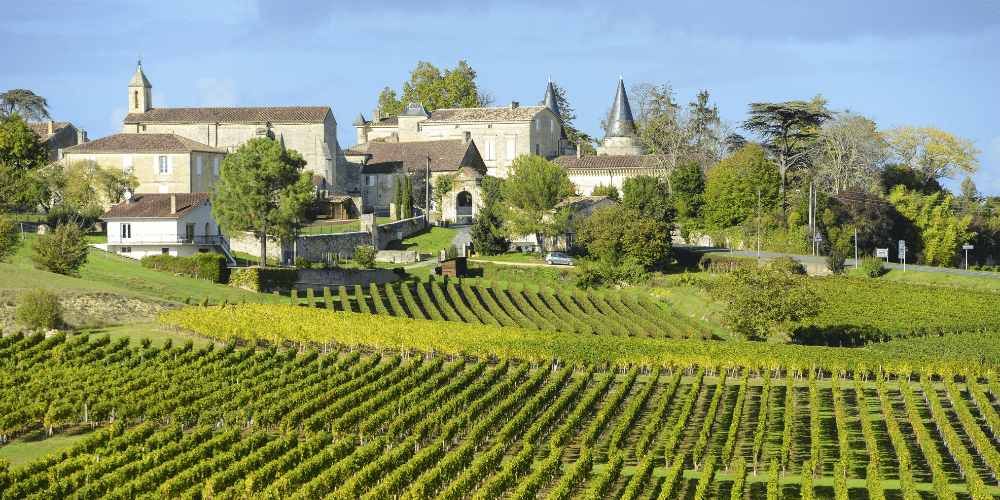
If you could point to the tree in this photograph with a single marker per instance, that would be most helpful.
(407, 198)
(112, 184)
(785, 129)
(931, 152)
(687, 185)
(848, 151)
(21, 154)
(969, 191)
(455, 89)
(878, 223)
(649, 196)
(10, 239)
(61, 251)
(487, 229)
(24, 103)
(614, 233)
(263, 190)
(610, 191)
(941, 230)
(912, 180)
(531, 191)
(398, 199)
(764, 301)
(704, 122)
(733, 184)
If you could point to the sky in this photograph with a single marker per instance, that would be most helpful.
(899, 63)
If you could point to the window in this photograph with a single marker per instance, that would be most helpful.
(552, 126)
(510, 149)
(369, 180)
(126, 231)
(165, 251)
(538, 125)
(490, 150)
(536, 150)
(163, 164)
(199, 166)
(135, 99)
(189, 232)
(389, 180)
(126, 250)
(216, 166)
(127, 164)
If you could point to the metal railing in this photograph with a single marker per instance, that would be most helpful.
(173, 239)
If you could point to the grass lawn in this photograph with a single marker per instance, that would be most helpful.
(35, 444)
(520, 257)
(430, 240)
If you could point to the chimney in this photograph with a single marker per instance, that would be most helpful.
(173, 204)
(51, 127)
(579, 150)
(514, 104)
(376, 115)
(81, 136)
(467, 138)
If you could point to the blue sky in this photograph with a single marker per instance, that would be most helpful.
(899, 63)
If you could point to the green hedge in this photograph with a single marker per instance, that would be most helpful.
(207, 266)
(260, 279)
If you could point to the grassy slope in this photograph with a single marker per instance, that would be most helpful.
(430, 240)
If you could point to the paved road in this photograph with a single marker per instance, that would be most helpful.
(849, 262)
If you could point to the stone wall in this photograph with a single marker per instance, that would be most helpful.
(333, 278)
(397, 256)
(318, 247)
(399, 230)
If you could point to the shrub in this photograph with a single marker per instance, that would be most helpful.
(206, 266)
(364, 256)
(63, 214)
(39, 309)
(722, 263)
(10, 239)
(872, 267)
(451, 252)
(62, 251)
(302, 263)
(204, 301)
(686, 258)
(628, 272)
(835, 262)
(788, 266)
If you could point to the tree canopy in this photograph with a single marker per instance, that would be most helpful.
(264, 191)
(487, 229)
(613, 233)
(848, 151)
(732, 186)
(24, 103)
(610, 191)
(21, 154)
(942, 231)
(932, 153)
(649, 196)
(456, 88)
(531, 191)
(687, 185)
(765, 301)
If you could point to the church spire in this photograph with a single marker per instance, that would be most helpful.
(550, 99)
(139, 92)
(621, 124)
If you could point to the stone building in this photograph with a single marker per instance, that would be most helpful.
(380, 163)
(57, 135)
(309, 130)
(500, 133)
(162, 163)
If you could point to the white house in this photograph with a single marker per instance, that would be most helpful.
(178, 224)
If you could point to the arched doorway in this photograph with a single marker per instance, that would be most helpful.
(463, 208)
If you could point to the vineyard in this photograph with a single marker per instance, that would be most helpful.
(554, 309)
(333, 419)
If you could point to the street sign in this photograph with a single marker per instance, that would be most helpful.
(902, 246)
(902, 254)
(966, 247)
(819, 237)
(882, 253)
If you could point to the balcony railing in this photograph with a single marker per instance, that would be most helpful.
(172, 239)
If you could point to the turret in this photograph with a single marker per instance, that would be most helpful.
(620, 135)
(139, 92)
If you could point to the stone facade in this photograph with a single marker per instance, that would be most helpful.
(399, 230)
(162, 163)
(57, 135)
(397, 256)
(311, 131)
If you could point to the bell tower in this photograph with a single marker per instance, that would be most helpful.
(139, 92)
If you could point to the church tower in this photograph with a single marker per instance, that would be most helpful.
(620, 138)
(550, 100)
(139, 92)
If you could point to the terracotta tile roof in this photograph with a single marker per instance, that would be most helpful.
(340, 198)
(387, 157)
(498, 114)
(41, 129)
(580, 202)
(318, 179)
(604, 162)
(155, 205)
(290, 114)
(356, 151)
(142, 143)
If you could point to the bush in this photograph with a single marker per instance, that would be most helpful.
(39, 309)
(63, 214)
(788, 266)
(872, 267)
(835, 262)
(206, 266)
(687, 259)
(62, 251)
(10, 239)
(722, 263)
(628, 272)
(364, 256)
(302, 263)
(451, 252)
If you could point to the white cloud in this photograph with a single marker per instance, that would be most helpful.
(117, 117)
(218, 92)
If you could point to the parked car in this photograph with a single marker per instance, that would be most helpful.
(558, 258)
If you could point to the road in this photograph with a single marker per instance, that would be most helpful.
(849, 262)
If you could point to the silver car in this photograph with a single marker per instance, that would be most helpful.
(558, 258)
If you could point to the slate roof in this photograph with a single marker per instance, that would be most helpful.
(41, 129)
(580, 202)
(147, 205)
(622, 124)
(143, 143)
(360, 121)
(550, 100)
(388, 157)
(415, 109)
(288, 114)
(385, 121)
(139, 79)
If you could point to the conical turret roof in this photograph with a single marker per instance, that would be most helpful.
(621, 124)
(415, 109)
(139, 79)
(550, 100)
(360, 120)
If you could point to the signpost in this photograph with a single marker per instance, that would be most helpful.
(882, 253)
(966, 248)
(902, 253)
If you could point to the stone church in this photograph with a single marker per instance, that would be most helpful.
(309, 130)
